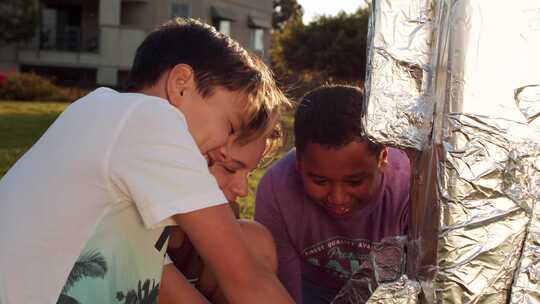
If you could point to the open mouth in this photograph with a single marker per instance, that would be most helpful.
(339, 210)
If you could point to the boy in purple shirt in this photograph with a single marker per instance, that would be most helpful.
(329, 200)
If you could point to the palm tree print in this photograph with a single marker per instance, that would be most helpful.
(143, 295)
(90, 264)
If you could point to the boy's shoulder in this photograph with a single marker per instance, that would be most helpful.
(398, 160)
(398, 173)
(104, 96)
(105, 104)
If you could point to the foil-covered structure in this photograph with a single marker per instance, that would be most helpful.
(399, 109)
(457, 84)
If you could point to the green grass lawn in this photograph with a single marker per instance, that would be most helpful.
(22, 123)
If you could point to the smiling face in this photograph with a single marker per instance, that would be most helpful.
(232, 173)
(341, 179)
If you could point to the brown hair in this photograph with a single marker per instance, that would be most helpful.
(217, 60)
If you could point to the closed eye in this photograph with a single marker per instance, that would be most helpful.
(355, 182)
(318, 180)
(227, 169)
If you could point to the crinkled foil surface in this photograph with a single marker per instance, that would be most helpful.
(481, 227)
(524, 167)
(473, 117)
(398, 110)
(528, 101)
(401, 291)
(478, 127)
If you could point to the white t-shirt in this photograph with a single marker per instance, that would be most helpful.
(93, 196)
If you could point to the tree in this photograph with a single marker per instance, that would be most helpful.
(19, 20)
(285, 11)
(333, 48)
(90, 264)
(145, 293)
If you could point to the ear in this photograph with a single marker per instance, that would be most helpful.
(382, 161)
(180, 81)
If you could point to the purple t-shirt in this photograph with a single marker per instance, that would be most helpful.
(313, 244)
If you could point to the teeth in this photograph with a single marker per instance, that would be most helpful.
(342, 210)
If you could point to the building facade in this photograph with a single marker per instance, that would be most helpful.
(93, 42)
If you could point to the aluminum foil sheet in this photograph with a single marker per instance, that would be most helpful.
(399, 112)
(385, 264)
(524, 165)
(528, 100)
(484, 73)
(482, 225)
(401, 291)
(525, 159)
(465, 95)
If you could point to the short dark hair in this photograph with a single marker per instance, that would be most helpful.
(331, 117)
(217, 60)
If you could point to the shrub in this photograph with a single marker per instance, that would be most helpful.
(29, 86)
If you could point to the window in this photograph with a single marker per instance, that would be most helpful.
(222, 19)
(223, 26)
(257, 27)
(61, 28)
(257, 39)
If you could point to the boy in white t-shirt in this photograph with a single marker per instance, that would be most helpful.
(82, 213)
(232, 178)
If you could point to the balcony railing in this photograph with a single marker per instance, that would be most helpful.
(66, 38)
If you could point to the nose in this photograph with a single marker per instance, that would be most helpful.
(240, 187)
(338, 196)
(222, 153)
(217, 155)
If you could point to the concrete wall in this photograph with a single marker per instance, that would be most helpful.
(8, 58)
(140, 15)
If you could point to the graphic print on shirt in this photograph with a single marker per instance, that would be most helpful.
(145, 294)
(90, 264)
(120, 263)
(338, 256)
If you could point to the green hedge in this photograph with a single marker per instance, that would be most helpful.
(29, 86)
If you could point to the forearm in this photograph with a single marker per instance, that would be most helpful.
(218, 297)
(264, 288)
(174, 288)
(218, 238)
(246, 278)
